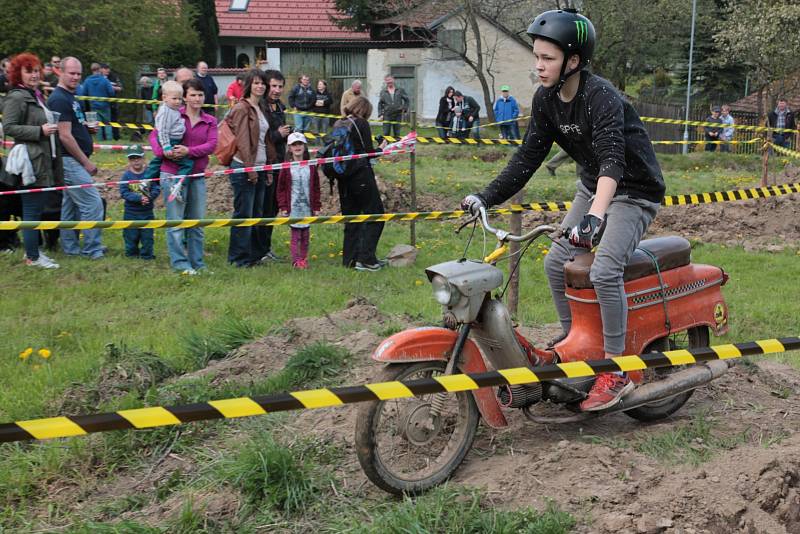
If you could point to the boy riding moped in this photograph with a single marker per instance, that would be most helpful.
(628, 297)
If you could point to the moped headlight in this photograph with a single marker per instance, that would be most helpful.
(443, 291)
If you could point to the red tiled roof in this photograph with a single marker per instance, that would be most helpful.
(788, 88)
(298, 19)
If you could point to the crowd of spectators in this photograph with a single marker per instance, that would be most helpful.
(54, 146)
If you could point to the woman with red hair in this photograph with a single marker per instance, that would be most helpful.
(27, 119)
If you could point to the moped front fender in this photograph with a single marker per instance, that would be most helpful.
(430, 343)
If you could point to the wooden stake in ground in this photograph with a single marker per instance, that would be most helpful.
(412, 161)
(765, 160)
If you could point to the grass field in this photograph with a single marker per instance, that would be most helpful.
(83, 312)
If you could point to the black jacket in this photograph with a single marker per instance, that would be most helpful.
(598, 129)
(327, 100)
(470, 107)
(445, 108)
(302, 98)
(275, 117)
(772, 117)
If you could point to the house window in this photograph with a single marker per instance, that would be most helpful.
(452, 43)
(238, 5)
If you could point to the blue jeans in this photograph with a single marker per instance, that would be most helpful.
(80, 205)
(185, 245)
(302, 123)
(32, 208)
(476, 128)
(507, 131)
(247, 245)
(103, 115)
(780, 139)
(133, 237)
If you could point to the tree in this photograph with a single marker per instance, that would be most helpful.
(634, 39)
(123, 33)
(360, 14)
(761, 34)
(207, 27)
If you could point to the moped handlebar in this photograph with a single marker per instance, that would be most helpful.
(505, 237)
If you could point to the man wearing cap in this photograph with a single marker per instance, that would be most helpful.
(507, 109)
(139, 199)
(713, 132)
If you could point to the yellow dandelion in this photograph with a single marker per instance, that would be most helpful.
(215, 241)
(417, 282)
(331, 255)
(36, 367)
(45, 353)
(25, 354)
(313, 256)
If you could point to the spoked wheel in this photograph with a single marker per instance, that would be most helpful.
(403, 445)
(692, 338)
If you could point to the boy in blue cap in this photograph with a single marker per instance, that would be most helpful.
(139, 199)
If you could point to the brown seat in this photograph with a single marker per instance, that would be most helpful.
(671, 252)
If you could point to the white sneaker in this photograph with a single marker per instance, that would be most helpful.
(189, 272)
(45, 256)
(44, 262)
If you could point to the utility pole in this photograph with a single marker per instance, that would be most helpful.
(689, 80)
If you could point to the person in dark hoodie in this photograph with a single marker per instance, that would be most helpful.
(620, 187)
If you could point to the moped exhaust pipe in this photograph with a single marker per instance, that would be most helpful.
(674, 384)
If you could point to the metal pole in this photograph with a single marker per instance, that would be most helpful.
(689, 80)
(412, 161)
(516, 228)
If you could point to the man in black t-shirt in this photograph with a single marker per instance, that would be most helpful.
(620, 187)
(75, 140)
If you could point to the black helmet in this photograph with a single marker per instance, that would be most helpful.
(568, 29)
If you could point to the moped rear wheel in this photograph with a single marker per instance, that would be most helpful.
(692, 338)
(401, 447)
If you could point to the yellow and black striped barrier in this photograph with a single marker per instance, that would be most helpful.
(674, 200)
(159, 416)
(276, 221)
(746, 127)
(732, 196)
(785, 151)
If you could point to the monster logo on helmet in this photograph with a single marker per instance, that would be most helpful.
(571, 32)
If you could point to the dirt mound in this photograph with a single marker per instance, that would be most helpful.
(346, 328)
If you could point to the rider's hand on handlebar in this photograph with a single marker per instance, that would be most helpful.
(587, 234)
(472, 204)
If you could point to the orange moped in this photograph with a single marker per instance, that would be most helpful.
(412, 444)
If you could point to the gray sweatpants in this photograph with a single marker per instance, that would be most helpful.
(628, 219)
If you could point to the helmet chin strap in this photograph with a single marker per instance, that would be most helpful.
(563, 76)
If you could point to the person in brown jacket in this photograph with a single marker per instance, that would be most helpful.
(253, 147)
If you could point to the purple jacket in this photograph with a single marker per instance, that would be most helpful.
(201, 140)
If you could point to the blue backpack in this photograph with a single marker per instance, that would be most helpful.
(341, 144)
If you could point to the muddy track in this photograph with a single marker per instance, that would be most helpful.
(600, 471)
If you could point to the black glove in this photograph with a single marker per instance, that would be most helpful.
(472, 204)
(587, 234)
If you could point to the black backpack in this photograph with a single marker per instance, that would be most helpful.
(341, 144)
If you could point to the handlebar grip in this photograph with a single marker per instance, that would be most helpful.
(493, 257)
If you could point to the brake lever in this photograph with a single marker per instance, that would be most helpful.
(467, 223)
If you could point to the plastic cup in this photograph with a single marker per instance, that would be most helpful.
(91, 119)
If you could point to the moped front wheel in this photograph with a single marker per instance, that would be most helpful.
(692, 338)
(403, 445)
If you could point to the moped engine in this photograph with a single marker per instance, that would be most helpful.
(520, 396)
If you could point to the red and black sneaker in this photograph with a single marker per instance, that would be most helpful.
(608, 390)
